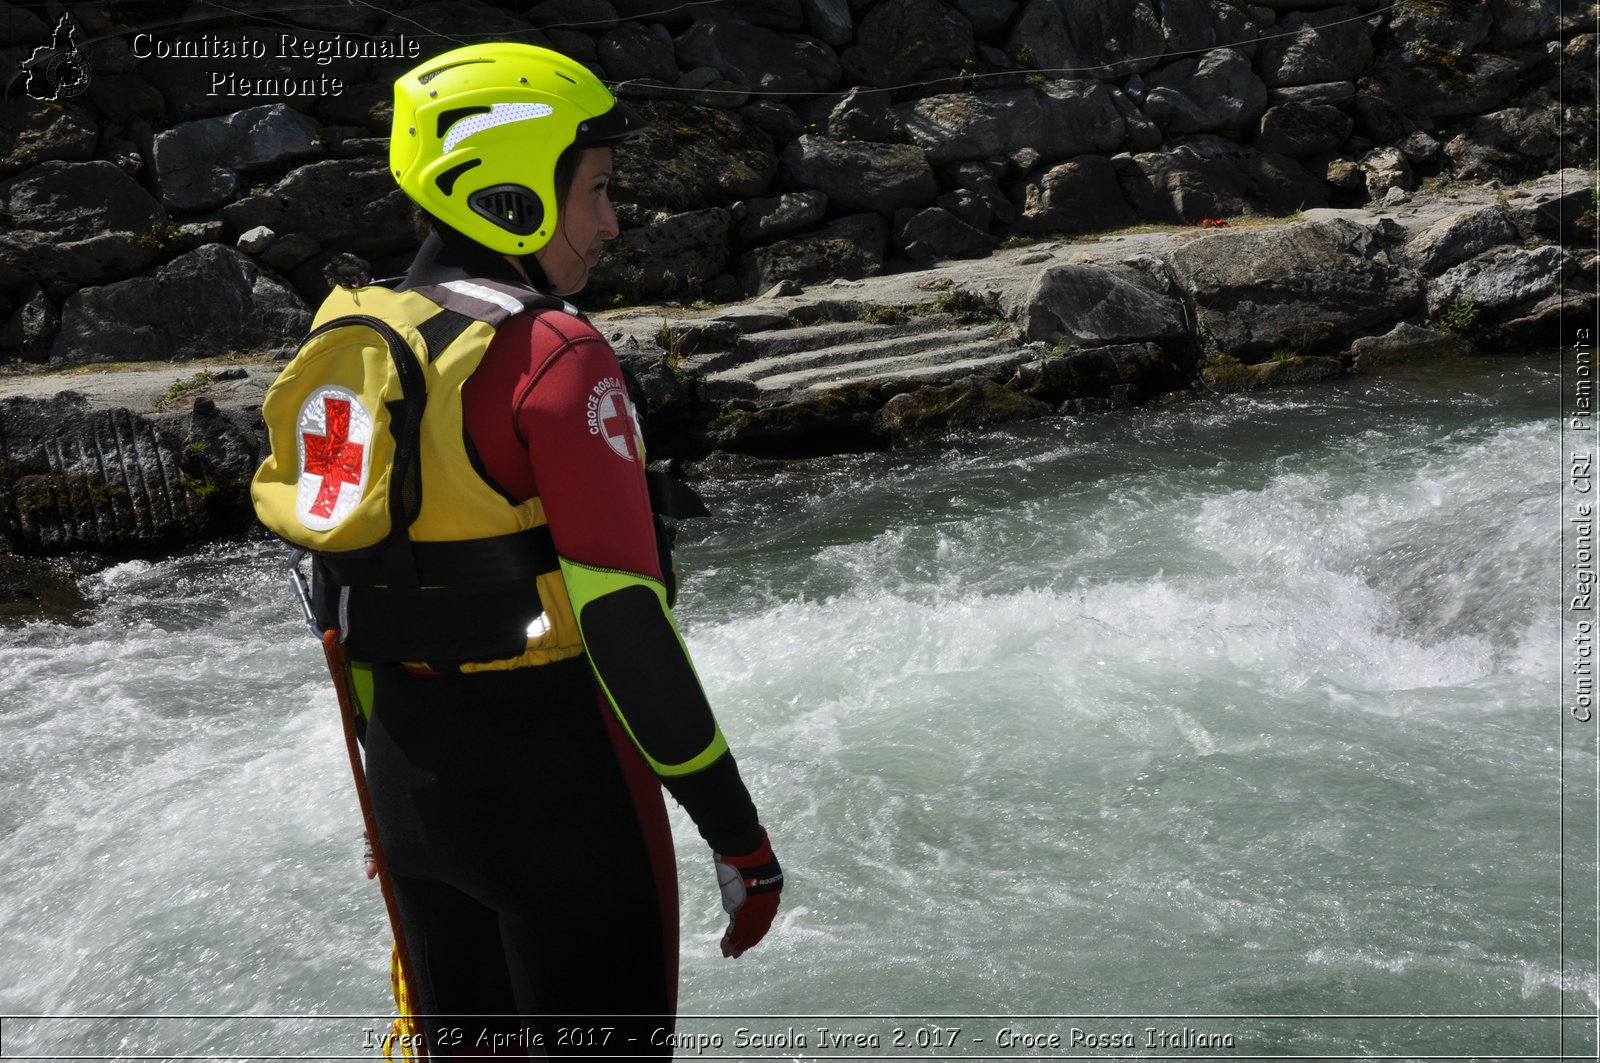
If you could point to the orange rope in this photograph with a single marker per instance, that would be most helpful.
(401, 969)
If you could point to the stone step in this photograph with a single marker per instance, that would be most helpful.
(946, 362)
(863, 345)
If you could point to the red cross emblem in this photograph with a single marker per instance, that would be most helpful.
(333, 456)
(616, 423)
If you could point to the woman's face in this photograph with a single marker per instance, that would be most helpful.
(585, 222)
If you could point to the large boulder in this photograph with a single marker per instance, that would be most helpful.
(1502, 280)
(1508, 144)
(858, 175)
(900, 39)
(1309, 47)
(203, 304)
(1208, 177)
(1107, 39)
(74, 478)
(1217, 92)
(1300, 130)
(936, 234)
(1076, 196)
(30, 330)
(349, 205)
(77, 223)
(32, 132)
(1523, 22)
(1548, 203)
(690, 157)
(197, 164)
(759, 58)
(1459, 237)
(666, 258)
(849, 248)
(765, 220)
(1256, 291)
(633, 51)
(1058, 120)
(1195, 25)
(970, 403)
(1095, 305)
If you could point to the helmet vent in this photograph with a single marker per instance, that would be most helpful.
(454, 115)
(436, 71)
(511, 207)
(447, 180)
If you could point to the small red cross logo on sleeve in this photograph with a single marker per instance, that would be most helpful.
(616, 424)
(333, 456)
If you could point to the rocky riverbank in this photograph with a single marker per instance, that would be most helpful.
(852, 223)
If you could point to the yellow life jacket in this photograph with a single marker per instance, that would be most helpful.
(417, 557)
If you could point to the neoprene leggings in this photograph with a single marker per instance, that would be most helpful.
(532, 859)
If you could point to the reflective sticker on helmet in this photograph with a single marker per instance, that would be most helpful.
(612, 417)
(335, 433)
(499, 114)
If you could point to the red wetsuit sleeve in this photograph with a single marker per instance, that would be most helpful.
(561, 412)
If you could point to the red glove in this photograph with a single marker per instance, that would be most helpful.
(750, 886)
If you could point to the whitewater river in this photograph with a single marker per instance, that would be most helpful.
(1232, 729)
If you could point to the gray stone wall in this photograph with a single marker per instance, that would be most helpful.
(205, 201)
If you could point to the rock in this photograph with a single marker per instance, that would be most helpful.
(1546, 204)
(690, 156)
(989, 18)
(1310, 47)
(1253, 290)
(1125, 372)
(1500, 280)
(1196, 25)
(674, 255)
(26, 336)
(1386, 168)
(978, 181)
(197, 164)
(1057, 120)
(199, 305)
(829, 21)
(1214, 93)
(1439, 83)
(1208, 177)
(849, 248)
(287, 252)
(1141, 133)
(32, 132)
(1324, 93)
(348, 204)
(759, 58)
(864, 114)
(773, 119)
(1419, 148)
(899, 39)
(1523, 22)
(256, 240)
(440, 25)
(32, 589)
(634, 51)
(1098, 305)
(837, 422)
(1079, 195)
(969, 403)
(1508, 145)
(1226, 374)
(935, 234)
(1402, 344)
(1109, 39)
(768, 219)
(75, 479)
(78, 222)
(859, 175)
(1459, 237)
(1299, 130)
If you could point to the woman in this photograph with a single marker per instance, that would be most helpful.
(517, 795)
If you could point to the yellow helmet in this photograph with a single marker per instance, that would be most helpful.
(477, 132)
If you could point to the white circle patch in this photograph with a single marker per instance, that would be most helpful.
(335, 435)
